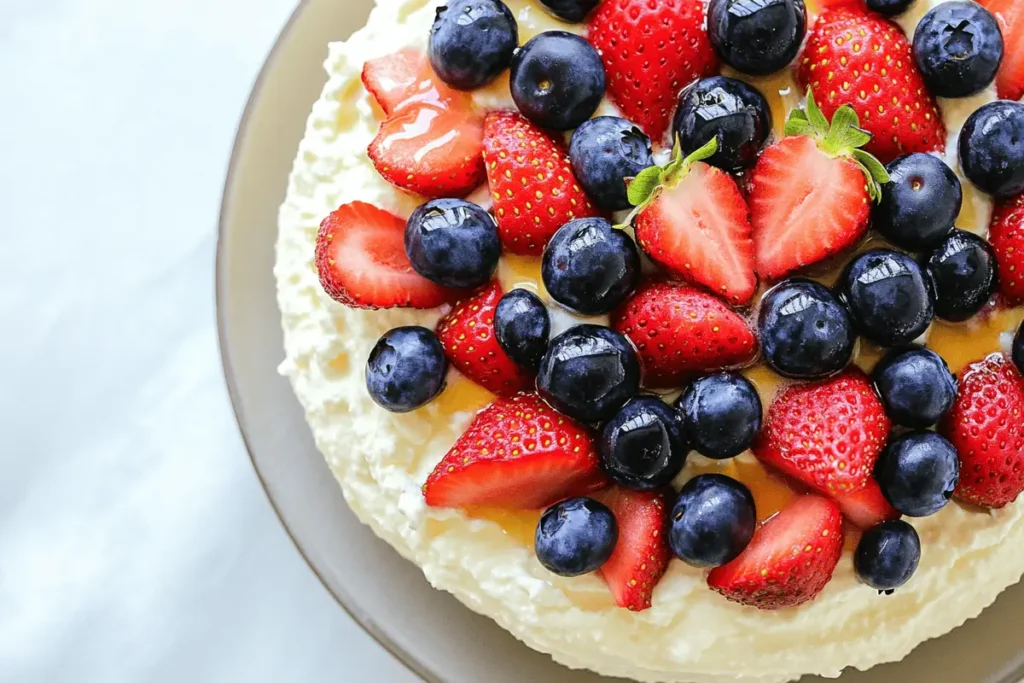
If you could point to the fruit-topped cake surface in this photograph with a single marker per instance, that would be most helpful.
(678, 337)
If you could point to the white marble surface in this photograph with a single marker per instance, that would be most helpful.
(135, 541)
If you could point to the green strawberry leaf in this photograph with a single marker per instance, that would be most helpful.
(845, 134)
(707, 151)
(874, 173)
(642, 187)
(797, 126)
(818, 121)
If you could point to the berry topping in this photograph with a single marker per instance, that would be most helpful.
(570, 10)
(918, 472)
(735, 113)
(1010, 15)
(407, 369)
(919, 203)
(963, 275)
(472, 42)
(576, 536)
(453, 243)
(523, 327)
(992, 148)
(557, 80)
(888, 297)
(1006, 233)
(642, 447)
(605, 152)
(887, 555)
(916, 387)
(721, 415)
(958, 48)
(757, 37)
(890, 8)
(713, 520)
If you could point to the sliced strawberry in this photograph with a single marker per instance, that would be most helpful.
(641, 555)
(397, 78)
(1006, 233)
(518, 453)
(866, 507)
(468, 337)
(790, 559)
(360, 257)
(1010, 15)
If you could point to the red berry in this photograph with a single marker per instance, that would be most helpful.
(1006, 233)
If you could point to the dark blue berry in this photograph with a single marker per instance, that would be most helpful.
(573, 11)
(589, 267)
(887, 555)
(805, 332)
(730, 110)
(472, 42)
(453, 243)
(642, 447)
(919, 203)
(1018, 348)
(558, 80)
(963, 274)
(916, 387)
(604, 152)
(589, 372)
(888, 297)
(757, 36)
(721, 415)
(713, 520)
(523, 327)
(890, 8)
(407, 369)
(918, 472)
(576, 536)
(992, 148)
(958, 48)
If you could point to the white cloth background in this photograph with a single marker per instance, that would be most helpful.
(135, 542)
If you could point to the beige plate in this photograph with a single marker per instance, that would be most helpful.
(428, 630)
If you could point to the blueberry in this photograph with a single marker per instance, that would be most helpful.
(757, 37)
(919, 203)
(472, 42)
(604, 152)
(1018, 348)
(992, 148)
(958, 48)
(453, 243)
(589, 267)
(887, 555)
(522, 326)
(805, 332)
(573, 11)
(963, 274)
(888, 297)
(576, 536)
(407, 369)
(721, 414)
(642, 447)
(558, 80)
(918, 472)
(713, 520)
(916, 387)
(890, 8)
(588, 373)
(734, 112)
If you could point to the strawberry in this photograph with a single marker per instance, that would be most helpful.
(828, 435)
(1006, 233)
(693, 221)
(641, 555)
(790, 559)
(432, 139)
(360, 257)
(680, 331)
(1010, 15)
(518, 453)
(651, 51)
(534, 189)
(862, 59)
(468, 337)
(985, 427)
(810, 194)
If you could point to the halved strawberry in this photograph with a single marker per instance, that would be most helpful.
(790, 559)
(1010, 15)
(468, 337)
(641, 555)
(1006, 233)
(397, 78)
(360, 257)
(518, 453)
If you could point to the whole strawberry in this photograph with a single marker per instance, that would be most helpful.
(985, 426)
(1006, 234)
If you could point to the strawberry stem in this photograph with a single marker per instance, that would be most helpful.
(646, 186)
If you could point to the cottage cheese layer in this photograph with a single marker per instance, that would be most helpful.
(381, 460)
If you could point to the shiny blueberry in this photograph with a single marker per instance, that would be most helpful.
(522, 326)
(407, 369)
(757, 36)
(805, 332)
(472, 42)
(887, 555)
(919, 203)
(888, 297)
(589, 267)
(963, 274)
(558, 80)
(918, 472)
(604, 152)
(729, 109)
(573, 11)
(992, 148)
(1018, 348)
(713, 521)
(576, 536)
(890, 8)
(642, 447)
(453, 243)
(958, 48)
(721, 414)
(916, 387)
(589, 372)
